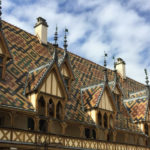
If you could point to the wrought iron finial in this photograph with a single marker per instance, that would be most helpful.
(105, 55)
(147, 81)
(56, 36)
(105, 69)
(114, 62)
(65, 40)
(0, 14)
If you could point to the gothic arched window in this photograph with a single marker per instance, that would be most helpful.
(41, 106)
(51, 108)
(105, 121)
(59, 111)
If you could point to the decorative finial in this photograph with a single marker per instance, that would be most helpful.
(56, 37)
(105, 69)
(147, 81)
(114, 62)
(0, 14)
(105, 55)
(65, 40)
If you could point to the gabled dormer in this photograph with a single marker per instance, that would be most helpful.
(4, 55)
(98, 102)
(46, 90)
(67, 72)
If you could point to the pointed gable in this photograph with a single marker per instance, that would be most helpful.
(52, 85)
(106, 102)
(65, 70)
(98, 96)
(47, 78)
(65, 66)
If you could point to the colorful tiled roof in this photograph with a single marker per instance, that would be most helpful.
(137, 108)
(28, 54)
(90, 96)
(35, 76)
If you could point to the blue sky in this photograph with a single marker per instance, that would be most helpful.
(119, 27)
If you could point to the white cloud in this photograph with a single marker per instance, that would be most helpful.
(94, 27)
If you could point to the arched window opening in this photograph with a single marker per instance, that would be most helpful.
(87, 132)
(146, 129)
(59, 111)
(41, 106)
(99, 119)
(43, 125)
(111, 121)
(105, 121)
(51, 108)
(93, 134)
(30, 124)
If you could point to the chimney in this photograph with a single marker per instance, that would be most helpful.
(41, 30)
(120, 67)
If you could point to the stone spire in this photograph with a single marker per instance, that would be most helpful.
(105, 69)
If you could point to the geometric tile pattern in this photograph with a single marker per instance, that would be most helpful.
(137, 108)
(90, 95)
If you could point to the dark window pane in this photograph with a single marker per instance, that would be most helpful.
(1, 71)
(66, 81)
(87, 133)
(1, 60)
(30, 124)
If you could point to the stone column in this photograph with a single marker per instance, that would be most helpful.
(63, 125)
(36, 120)
(105, 134)
(81, 131)
(12, 115)
(136, 140)
(126, 137)
(114, 136)
(97, 133)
